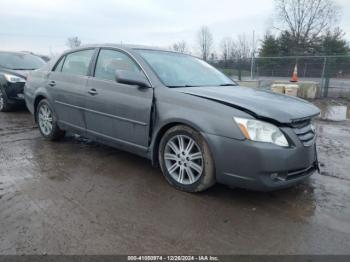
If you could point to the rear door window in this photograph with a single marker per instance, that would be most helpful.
(78, 63)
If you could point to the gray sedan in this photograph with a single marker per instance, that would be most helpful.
(179, 112)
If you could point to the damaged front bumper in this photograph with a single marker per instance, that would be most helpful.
(261, 166)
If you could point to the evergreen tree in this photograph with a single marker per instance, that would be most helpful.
(269, 47)
(333, 43)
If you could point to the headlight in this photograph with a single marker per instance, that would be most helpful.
(14, 79)
(260, 131)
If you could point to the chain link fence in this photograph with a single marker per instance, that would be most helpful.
(332, 73)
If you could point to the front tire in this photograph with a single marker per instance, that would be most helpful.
(4, 104)
(47, 121)
(186, 160)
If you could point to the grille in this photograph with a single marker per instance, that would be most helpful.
(305, 131)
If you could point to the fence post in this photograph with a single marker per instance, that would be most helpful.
(239, 69)
(323, 80)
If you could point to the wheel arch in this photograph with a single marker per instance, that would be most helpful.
(160, 133)
(37, 100)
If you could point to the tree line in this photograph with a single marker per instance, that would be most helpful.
(300, 28)
(305, 28)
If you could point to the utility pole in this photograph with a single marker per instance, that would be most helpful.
(253, 57)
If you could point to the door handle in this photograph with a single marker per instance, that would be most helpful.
(52, 83)
(93, 92)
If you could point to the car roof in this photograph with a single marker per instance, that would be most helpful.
(15, 52)
(120, 46)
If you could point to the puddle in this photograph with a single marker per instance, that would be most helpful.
(335, 113)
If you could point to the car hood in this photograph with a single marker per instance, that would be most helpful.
(21, 73)
(259, 103)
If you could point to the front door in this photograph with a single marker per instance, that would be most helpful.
(115, 111)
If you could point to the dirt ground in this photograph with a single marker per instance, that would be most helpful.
(78, 197)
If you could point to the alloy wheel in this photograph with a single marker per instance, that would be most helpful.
(45, 119)
(183, 159)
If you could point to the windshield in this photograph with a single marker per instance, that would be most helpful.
(180, 70)
(18, 61)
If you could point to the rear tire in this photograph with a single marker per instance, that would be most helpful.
(47, 121)
(4, 104)
(185, 160)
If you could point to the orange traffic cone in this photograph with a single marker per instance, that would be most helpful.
(295, 74)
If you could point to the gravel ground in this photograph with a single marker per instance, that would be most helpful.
(78, 197)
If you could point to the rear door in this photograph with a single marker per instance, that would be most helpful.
(67, 85)
(114, 111)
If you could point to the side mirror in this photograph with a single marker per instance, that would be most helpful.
(131, 78)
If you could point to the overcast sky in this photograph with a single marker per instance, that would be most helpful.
(44, 25)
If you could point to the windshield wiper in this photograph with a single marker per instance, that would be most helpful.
(228, 85)
(179, 86)
(182, 86)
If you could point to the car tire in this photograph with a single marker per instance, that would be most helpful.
(185, 160)
(4, 104)
(47, 121)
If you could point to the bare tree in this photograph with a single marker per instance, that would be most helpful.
(205, 42)
(236, 49)
(306, 20)
(227, 47)
(180, 46)
(242, 48)
(213, 57)
(73, 42)
(241, 53)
